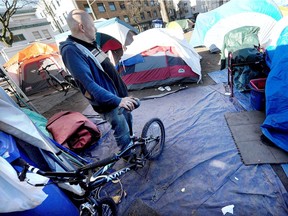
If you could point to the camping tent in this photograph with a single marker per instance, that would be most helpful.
(275, 33)
(112, 35)
(23, 67)
(162, 59)
(184, 24)
(275, 126)
(117, 29)
(210, 27)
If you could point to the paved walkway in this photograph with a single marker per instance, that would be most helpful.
(46, 100)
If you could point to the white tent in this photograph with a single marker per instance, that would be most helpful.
(211, 27)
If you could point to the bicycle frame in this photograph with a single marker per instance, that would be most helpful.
(93, 176)
(65, 84)
(99, 178)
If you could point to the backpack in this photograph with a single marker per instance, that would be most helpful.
(73, 130)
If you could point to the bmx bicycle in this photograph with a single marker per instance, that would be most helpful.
(92, 176)
(57, 83)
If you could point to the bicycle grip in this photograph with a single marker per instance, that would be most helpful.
(136, 105)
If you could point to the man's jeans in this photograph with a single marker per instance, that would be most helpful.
(122, 126)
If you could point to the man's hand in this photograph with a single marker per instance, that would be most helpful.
(129, 103)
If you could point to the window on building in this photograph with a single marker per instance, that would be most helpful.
(112, 6)
(122, 5)
(87, 8)
(142, 16)
(46, 33)
(61, 20)
(19, 37)
(53, 5)
(126, 19)
(37, 35)
(155, 13)
(58, 3)
(146, 3)
(101, 7)
(65, 14)
(149, 14)
(152, 3)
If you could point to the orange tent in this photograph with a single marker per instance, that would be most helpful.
(31, 51)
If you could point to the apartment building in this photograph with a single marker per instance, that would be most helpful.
(56, 11)
(137, 13)
(27, 27)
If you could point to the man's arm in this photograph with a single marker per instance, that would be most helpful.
(80, 68)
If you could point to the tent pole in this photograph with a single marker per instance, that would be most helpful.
(18, 90)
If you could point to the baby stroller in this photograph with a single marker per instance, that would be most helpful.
(245, 59)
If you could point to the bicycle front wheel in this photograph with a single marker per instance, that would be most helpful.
(153, 134)
(106, 206)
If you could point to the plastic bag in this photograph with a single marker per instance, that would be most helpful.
(16, 195)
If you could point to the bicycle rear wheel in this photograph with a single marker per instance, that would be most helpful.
(54, 84)
(154, 134)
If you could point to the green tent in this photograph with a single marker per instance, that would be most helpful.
(184, 24)
(237, 39)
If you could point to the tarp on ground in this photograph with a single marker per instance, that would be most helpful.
(200, 171)
(275, 126)
(157, 57)
(210, 27)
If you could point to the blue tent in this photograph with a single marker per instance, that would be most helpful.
(275, 126)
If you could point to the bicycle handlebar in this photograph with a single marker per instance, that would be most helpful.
(45, 68)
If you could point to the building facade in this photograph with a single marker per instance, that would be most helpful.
(136, 13)
(27, 27)
(56, 11)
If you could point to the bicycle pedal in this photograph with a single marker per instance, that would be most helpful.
(139, 162)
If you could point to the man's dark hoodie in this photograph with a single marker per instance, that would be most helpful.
(103, 88)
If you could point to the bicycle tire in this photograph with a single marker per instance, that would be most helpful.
(105, 207)
(54, 84)
(155, 130)
(71, 81)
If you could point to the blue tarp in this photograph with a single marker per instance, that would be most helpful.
(275, 126)
(200, 170)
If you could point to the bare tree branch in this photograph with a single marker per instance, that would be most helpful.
(11, 7)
